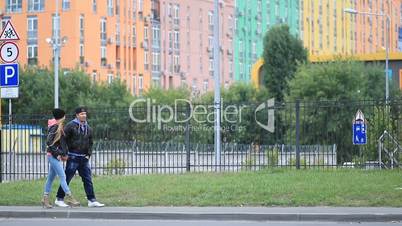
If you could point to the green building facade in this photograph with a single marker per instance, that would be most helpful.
(253, 19)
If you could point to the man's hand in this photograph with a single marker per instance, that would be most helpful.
(87, 157)
(64, 158)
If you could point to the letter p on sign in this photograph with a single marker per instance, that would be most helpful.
(9, 75)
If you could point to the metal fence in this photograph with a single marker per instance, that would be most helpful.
(306, 135)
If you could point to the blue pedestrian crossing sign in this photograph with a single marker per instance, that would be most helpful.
(359, 129)
(9, 75)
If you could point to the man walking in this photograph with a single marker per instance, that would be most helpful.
(78, 137)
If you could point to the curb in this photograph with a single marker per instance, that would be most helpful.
(180, 215)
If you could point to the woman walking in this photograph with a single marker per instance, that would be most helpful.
(56, 153)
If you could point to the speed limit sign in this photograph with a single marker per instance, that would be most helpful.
(9, 52)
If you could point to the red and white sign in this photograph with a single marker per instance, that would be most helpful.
(9, 52)
(9, 33)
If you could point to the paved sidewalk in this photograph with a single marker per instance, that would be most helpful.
(374, 214)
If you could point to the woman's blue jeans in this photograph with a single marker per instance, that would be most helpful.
(56, 169)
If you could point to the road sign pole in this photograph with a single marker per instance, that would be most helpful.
(9, 53)
(10, 121)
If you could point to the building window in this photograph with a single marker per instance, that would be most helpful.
(110, 7)
(230, 69)
(277, 9)
(32, 54)
(109, 78)
(82, 60)
(82, 29)
(117, 33)
(254, 49)
(134, 85)
(259, 6)
(155, 62)
(140, 5)
(176, 63)
(146, 34)
(200, 64)
(241, 70)
(140, 85)
(210, 42)
(134, 36)
(32, 29)
(211, 21)
(36, 5)
(155, 36)
(94, 6)
(176, 19)
(117, 7)
(176, 40)
(103, 56)
(170, 40)
(13, 6)
(211, 65)
(230, 25)
(4, 21)
(94, 77)
(66, 5)
(205, 85)
(103, 31)
(194, 85)
(146, 63)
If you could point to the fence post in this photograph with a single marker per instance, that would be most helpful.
(298, 134)
(1, 155)
(187, 138)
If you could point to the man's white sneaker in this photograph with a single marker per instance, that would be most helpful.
(95, 204)
(60, 203)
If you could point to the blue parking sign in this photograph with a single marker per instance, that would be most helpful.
(359, 133)
(9, 75)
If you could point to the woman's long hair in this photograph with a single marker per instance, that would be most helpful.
(59, 131)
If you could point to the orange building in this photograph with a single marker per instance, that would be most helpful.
(108, 39)
(371, 31)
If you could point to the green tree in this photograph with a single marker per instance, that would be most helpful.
(330, 94)
(338, 80)
(282, 55)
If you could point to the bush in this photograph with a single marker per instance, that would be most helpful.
(116, 167)
(272, 157)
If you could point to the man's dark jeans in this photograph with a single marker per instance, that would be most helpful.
(81, 164)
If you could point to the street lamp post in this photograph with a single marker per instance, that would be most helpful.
(56, 51)
(388, 21)
(55, 43)
(217, 86)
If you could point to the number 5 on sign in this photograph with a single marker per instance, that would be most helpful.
(9, 52)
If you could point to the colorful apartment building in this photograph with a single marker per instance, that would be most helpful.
(108, 39)
(253, 19)
(187, 43)
(371, 31)
(327, 29)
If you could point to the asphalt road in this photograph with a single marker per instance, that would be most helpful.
(86, 222)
